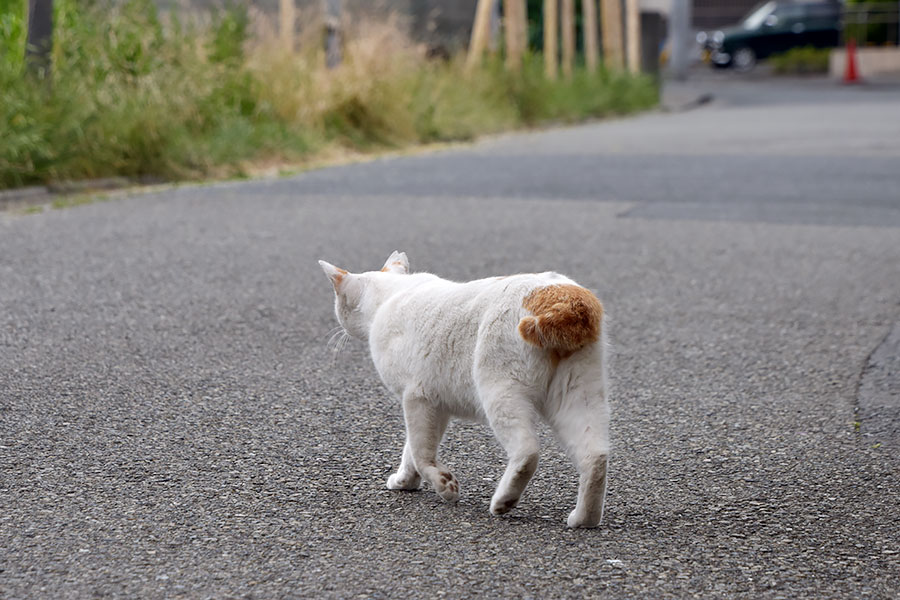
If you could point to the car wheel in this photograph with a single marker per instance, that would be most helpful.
(743, 59)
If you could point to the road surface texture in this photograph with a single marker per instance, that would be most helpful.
(172, 424)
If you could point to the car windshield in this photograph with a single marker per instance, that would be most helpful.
(758, 16)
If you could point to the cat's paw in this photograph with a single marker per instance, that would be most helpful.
(501, 506)
(446, 486)
(400, 481)
(578, 519)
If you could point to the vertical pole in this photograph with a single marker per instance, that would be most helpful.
(39, 41)
(612, 33)
(286, 21)
(481, 31)
(589, 10)
(633, 36)
(332, 33)
(568, 36)
(551, 24)
(680, 38)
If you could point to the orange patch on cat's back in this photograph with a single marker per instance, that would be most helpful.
(565, 318)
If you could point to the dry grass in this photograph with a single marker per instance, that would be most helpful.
(134, 94)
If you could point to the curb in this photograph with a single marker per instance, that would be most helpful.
(43, 194)
(695, 102)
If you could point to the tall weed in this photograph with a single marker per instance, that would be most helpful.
(133, 92)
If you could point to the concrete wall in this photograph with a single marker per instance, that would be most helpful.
(870, 62)
(446, 23)
(706, 14)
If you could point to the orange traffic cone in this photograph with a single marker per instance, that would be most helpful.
(850, 73)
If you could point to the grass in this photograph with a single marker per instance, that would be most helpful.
(801, 61)
(76, 200)
(135, 93)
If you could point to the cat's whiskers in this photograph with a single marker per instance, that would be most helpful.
(342, 342)
(334, 338)
(336, 342)
(331, 332)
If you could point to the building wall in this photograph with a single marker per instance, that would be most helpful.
(707, 14)
(711, 14)
(438, 22)
(444, 22)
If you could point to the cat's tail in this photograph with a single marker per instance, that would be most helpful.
(564, 319)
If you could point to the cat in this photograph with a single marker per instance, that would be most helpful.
(501, 350)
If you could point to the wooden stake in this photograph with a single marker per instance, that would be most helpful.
(589, 10)
(551, 24)
(633, 36)
(481, 31)
(568, 36)
(522, 15)
(513, 11)
(612, 33)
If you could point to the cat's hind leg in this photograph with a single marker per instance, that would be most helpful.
(511, 416)
(406, 477)
(425, 426)
(580, 419)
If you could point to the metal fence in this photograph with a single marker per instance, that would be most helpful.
(872, 24)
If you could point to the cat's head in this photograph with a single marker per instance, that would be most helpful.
(356, 294)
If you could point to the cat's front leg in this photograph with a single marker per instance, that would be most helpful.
(425, 426)
(406, 477)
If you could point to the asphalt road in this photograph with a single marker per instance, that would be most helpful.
(172, 423)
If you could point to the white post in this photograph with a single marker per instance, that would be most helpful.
(680, 38)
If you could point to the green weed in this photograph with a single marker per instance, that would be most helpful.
(801, 61)
(136, 93)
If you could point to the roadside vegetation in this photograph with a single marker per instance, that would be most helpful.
(801, 61)
(136, 93)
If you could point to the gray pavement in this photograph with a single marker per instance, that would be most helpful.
(173, 425)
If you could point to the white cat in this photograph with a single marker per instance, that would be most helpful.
(501, 350)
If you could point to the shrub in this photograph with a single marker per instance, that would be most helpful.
(801, 61)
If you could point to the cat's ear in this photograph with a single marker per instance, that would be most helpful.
(396, 263)
(335, 274)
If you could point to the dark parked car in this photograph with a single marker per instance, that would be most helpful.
(772, 27)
